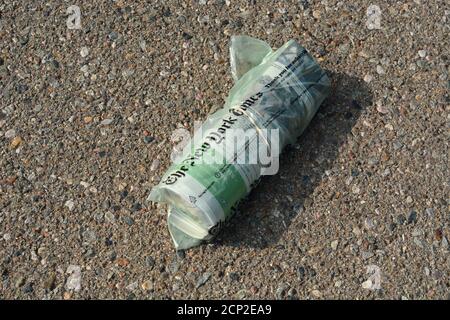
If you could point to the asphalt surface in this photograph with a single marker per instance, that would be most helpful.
(359, 209)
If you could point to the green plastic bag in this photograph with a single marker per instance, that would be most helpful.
(275, 91)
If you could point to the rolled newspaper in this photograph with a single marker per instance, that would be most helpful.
(275, 96)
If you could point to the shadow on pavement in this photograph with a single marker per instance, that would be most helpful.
(267, 213)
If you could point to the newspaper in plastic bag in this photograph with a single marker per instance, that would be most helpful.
(275, 96)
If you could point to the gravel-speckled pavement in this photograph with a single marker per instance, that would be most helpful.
(358, 210)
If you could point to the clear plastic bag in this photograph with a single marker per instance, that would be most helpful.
(275, 90)
(245, 54)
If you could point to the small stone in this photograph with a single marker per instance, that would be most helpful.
(67, 295)
(412, 217)
(6, 237)
(373, 161)
(397, 145)
(122, 262)
(110, 217)
(281, 291)
(147, 285)
(421, 64)
(87, 119)
(42, 251)
(364, 54)
(181, 254)
(429, 212)
(368, 223)
(84, 184)
(304, 272)
(70, 204)
(418, 242)
(380, 70)
(123, 194)
(113, 36)
(368, 78)
(202, 280)
(444, 243)
(297, 208)
(112, 255)
(148, 139)
(136, 207)
(28, 288)
(85, 69)
(381, 109)
(367, 284)
(241, 294)
(186, 36)
(391, 227)
(84, 52)
(24, 40)
(409, 199)
(401, 219)
(437, 274)
(129, 221)
(334, 244)
(155, 165)
(203, 19)
(19, 282)
(316, 14)
(292, 294)
(89, 236)
(234, 276)
(316, 293)
(356, 231)
(143, 45)
(301, 272)
(422, 53)
(106, 204)
(164, 275)
(106, 122)
(174, 265)
(16, 142)
(21, 88)
(127, 73)
(34, 256)
(438, 234)
(10, 133)
(356, 189)
(149, 262)
(132, 286)
(74, 280)
(366, 255)
(343, 49)
(49, 283)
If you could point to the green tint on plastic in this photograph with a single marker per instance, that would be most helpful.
(285, 87)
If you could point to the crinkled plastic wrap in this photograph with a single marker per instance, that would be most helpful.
(279, 89)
